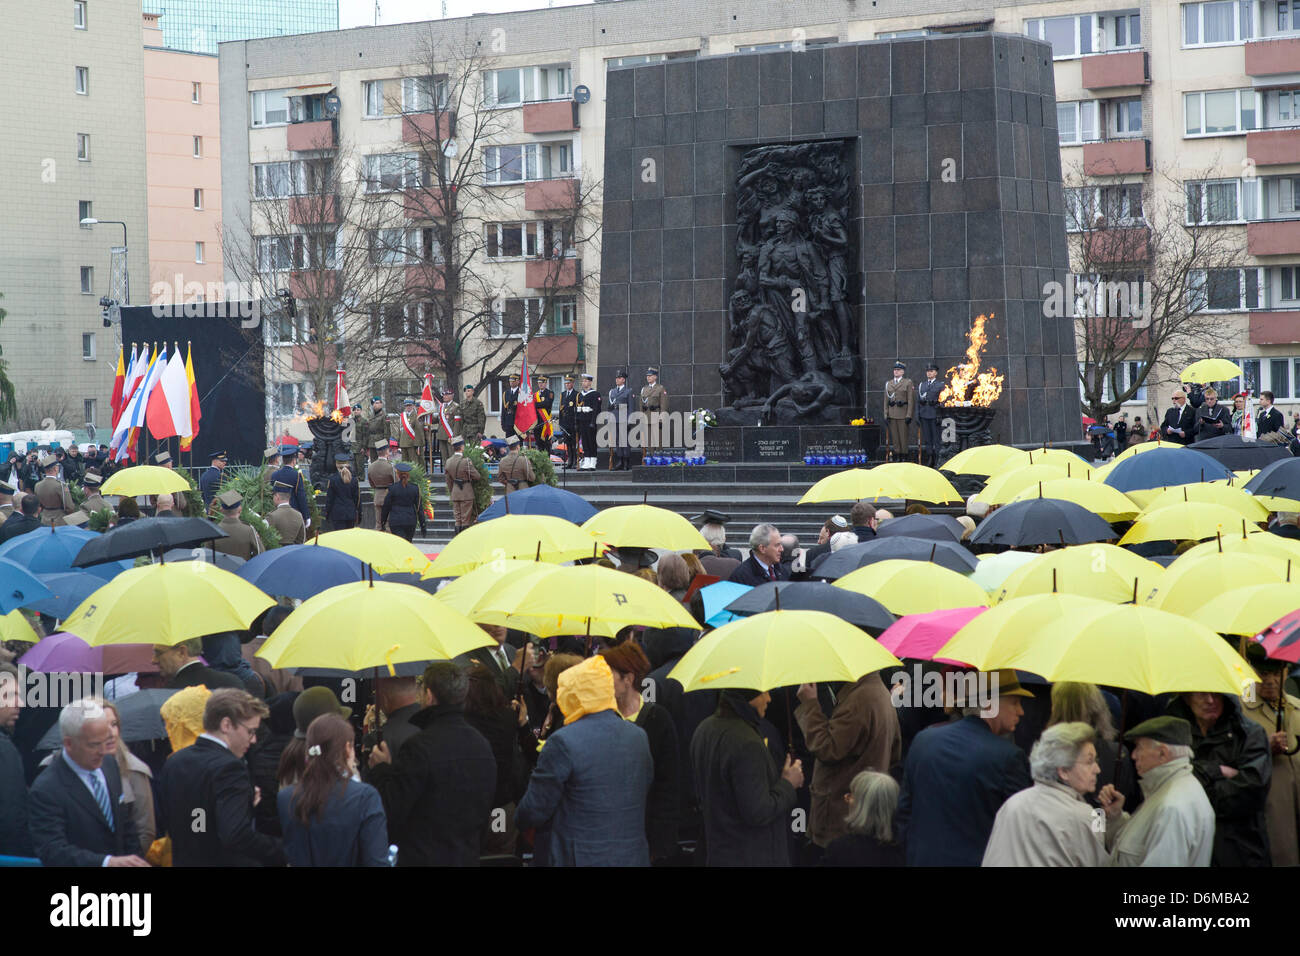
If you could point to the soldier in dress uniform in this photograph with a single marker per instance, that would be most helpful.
(448, 425)
(620, 406)
(462, 479)
(7, 492)
(515, 470)
(210, 480)
(588, 410)
(568, 418)
(271, 461)
(284, 518)
(410, 446)
(509, 402)
(543, 401)
(473, 416)
(927, 412)
(381, 475)
(290, 475)
(53, 494)
(94, 500)
(900, 409)
(164, 460)
(654, 401)
(241, 540)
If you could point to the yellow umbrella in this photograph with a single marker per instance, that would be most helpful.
(645, 526)
(914, 587)
(1103, 500)
(1248, 610)
(1103, 572)
(15, 627)
(167, 604)
(1054, 456)
(780, 649)
(899, 480)
(144, 480)
(386, 553)
(1261, 543)
(1210, 370)
(585, 600)
(1217, 494)
(465, 593)
(363, 625)
(1002, 489)
(525, 537)
(1278, 504)
(1187, 521)
(1006, 629)
(1192, 581)
(981, 460)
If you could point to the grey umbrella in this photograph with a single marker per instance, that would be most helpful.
(858, 609)
(947, 554)
(929, 527)
(1038, 521)
(140, 714)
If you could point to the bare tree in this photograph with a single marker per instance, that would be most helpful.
(39, 405)
(1146, 275)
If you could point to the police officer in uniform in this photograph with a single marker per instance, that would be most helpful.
(620, 405)
(543, 401)
(241, 540)
(210, 480)
(509, 402)
(588, 410)
(381, 475)
(654, 401)
(927, 400)
(284, 518)
(291, 476)
(53, 494)
(900, 409)
(462, 479)
(473, 416)
(515, 470)
(568, 418)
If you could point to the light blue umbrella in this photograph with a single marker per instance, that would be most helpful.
(716, 597)
(542, 500)
(18, 586)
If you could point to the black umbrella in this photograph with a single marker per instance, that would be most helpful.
(858, 609)
(1042, 521)
(929, 527)
(1281, 479)
(944, 553)
(140, 718)
(145, 536)
(1241, 455)
(226, 562)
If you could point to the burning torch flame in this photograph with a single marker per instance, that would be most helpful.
(317, 409)
(967, 385)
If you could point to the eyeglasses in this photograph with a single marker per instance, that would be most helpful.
(1178, 398)
(251, 731)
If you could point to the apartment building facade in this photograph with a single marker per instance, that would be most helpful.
(1194, 103)
(198, 26)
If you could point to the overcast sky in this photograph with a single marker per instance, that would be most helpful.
(361, 13)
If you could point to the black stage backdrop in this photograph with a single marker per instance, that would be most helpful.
(228, 355)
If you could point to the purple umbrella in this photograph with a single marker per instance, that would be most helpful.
(65, 653)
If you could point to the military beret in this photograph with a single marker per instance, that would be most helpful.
(469, 388)
(230, 499)
(377, 398)
(1166, 730)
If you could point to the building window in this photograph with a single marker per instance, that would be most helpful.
(389, 247)
(1077, 122)
(87, 280)
(519, 240)
(617, 61)
(88, 346)
(196, 92)
(270, 108)
(90, 409)
(528, 84)
(198, 199)
(1218, 112)
(83, 147)
(1287, 19)
(1224, 290)
(198, 147)
(376, 102)
(787, 44)
(1126, 31)
(557, 318)
(79, 14)
(1220, 200)
(83, 80)
(272, 180)
(1290, 276)
(387, 172)
(423, 94)
(1069, 36)
(85, 210)
(198, 253)
(527, 162)
(290, 397)
(274, 254)
(1223, 21)
(1125, 117)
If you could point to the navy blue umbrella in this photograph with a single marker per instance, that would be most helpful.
(1038, 521)
(67, 590)
(1165, 467)
(302, 570)
(542, 500)
(1238, 454)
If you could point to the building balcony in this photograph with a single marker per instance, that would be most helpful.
(1275, 238)
(558, 117)
(313, 210)
(1270, 327)
(427, 127)
(1126, 244)
(1274, 147)
(545, 195)
(423, 203)
(1105, 71)
(552, 273)
(554, 349)
(1117, 157)
(1273, 56)
(306, 284)
(425, 277)
(303, 137)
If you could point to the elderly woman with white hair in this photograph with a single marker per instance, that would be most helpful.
(1050, 824)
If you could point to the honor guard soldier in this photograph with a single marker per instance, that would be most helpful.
(94, 500)
(164, 460)
(588, 411)
(515, 470)
(654, 402)
(473, 416)
(569, 420)
(53, 494)
(409, 442)
(462, 479)
(210, 480)
(290, 475)
(900, 409)
(241, 540)
(448, 425)
(509, 402)
(284, 518)
(543, 401)
(620, 406)
(381, 475)
(271, 458)
(927, 412)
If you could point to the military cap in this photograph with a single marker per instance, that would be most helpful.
(230, 499)
(283, 487)
(377, 398)
(271, 452)
(408, 401)
(288, 451)
(569, 377)
(634, 558)
(469, 388)
(620, 373)
(162, 457)
(512, 439)
(218, 456)
(342, 456)
(588, 376)
(403, 466)
(448, 390)
(711, 516)
(76, 519)
(931, 367)
(392, 443)
(91, 478)
(1166, 730)
(457, 440)
(380, 444)
(305, 446)
(652, 370)
(900, 365)
(6, 488)
(45, 461)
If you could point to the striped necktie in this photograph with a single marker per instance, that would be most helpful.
(100, 793)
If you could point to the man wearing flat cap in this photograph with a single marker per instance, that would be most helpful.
(900, 409)
(241, 540)
(1175, 824)
(210, 480)
(284, 518)
(53, 494)
(654, 402)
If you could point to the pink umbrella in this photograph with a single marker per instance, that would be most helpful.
(65, 653)
(919, 636)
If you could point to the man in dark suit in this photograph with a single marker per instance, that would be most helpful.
(862, 516)
(77, 817)
(208, 792)
(764, 561)
(399, 699)
(1180, 422)
(957, 775)
(23, 520)
(15, 838)
(499, 660)
(1268, 419)
(180, 667)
